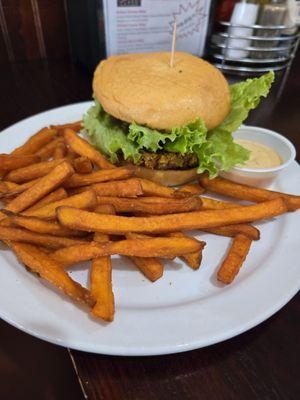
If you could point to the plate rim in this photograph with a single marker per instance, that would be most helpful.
(158, 350)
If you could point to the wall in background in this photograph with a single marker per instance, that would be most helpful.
(33, 29)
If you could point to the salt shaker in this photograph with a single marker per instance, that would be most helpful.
(244, 13)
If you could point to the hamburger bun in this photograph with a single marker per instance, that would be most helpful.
(143, 88)
(168, 177)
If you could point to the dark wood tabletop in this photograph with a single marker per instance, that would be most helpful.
(262, 363)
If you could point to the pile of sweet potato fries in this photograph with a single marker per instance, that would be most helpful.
(64, 202)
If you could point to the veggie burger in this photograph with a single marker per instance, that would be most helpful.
(171, 123)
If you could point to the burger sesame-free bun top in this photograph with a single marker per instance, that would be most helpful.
(143, 88)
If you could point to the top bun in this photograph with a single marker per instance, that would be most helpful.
(143, 88)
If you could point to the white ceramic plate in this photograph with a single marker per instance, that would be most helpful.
(184, 310)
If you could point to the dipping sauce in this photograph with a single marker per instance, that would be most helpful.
(261, 156)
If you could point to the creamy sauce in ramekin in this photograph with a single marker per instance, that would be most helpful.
(261, 156)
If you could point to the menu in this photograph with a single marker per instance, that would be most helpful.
(133, 26)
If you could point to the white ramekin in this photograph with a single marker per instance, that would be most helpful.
(262, 177)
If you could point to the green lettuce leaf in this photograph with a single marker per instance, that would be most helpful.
(147, 138)
(245, 96)
(108, 135)
(215, 149)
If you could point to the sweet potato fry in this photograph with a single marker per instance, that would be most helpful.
(154, 189)
(6, 187)
(123, 188)
(105, 209)
(193, 259)
(193, 188)
(41, 226)
(83, 165)
(151, 267)
(78, 180)
(35, 142)
(89, 221)
(101, 289)
(56, 195)
(47, 151)
(75, 126)
(22, 235)
(19, 188)
(83, 148)
(41, 264)
(154, 247)
(152, 205)
(234, 259)
(59, 151)
(212, 204)
(32, 171)
(232, 230)
(101, 284)
(47, 183)
(9, 162)
(86, 200)
(249, 193)
(71, 156)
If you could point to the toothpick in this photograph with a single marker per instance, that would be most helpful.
(173, 45)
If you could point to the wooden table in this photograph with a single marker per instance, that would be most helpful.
(259, 364)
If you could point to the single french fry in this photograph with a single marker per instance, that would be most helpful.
(59, 151)
(56, 195)
(41, 226)
(152, 247)
(154, 189)
(78, 180)
(9, 162)
(75, 126)
(193, 259)
(105, 209)
(152, 205)
(151, 267)
(101, 238)
(19, 188)
(234, 260)
(101, 289)
(101, 284)
(83, 148)
(123, 188)
(35, 142)
(47, 151)
(22, 235)
(89, 221)
(193, 188)
(6, 186)
(245, 192)
(32, 171)
(83, 165)
(232, 230)
(41, 264)
(71, 156)
(85, 200)
(212, 204)
(36, 192)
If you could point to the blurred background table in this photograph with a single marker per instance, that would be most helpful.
(260, 364)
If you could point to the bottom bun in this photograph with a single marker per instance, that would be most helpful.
(167, 177)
